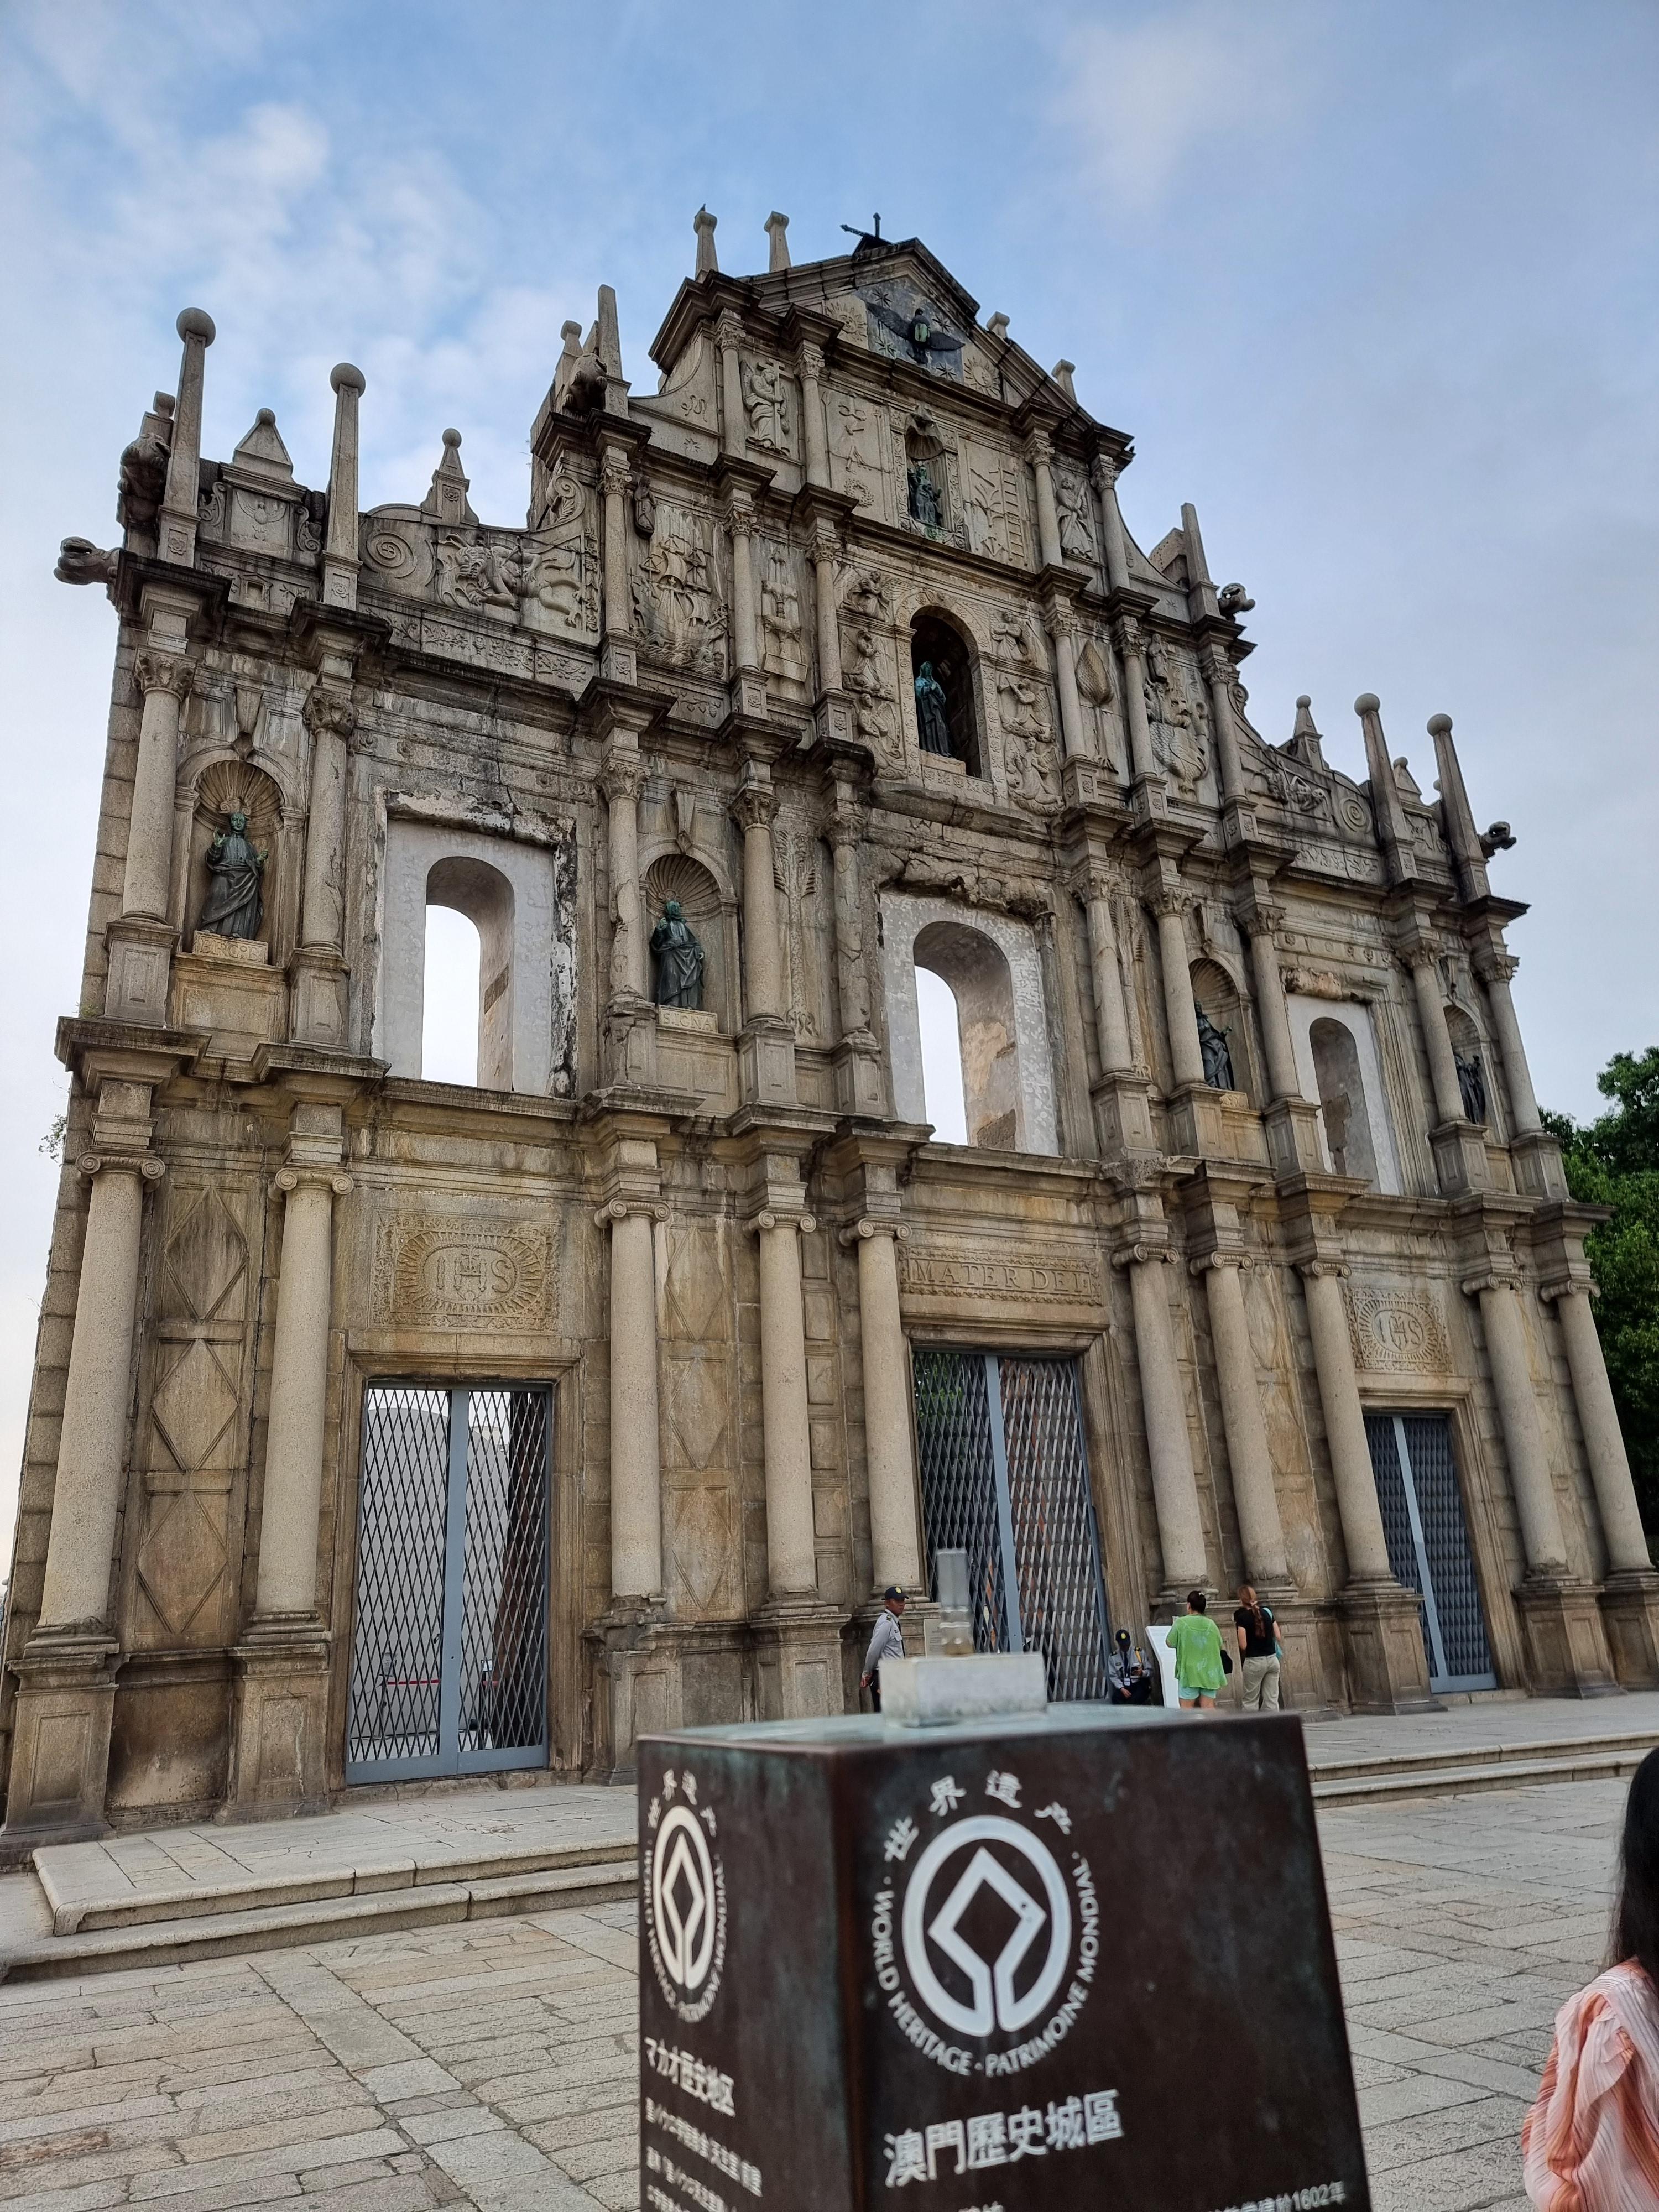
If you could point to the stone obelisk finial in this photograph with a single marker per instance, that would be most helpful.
(176, 537)
(340, 551)
(777, 226)
(703, 223)
(1393, 831)
(1460, 833)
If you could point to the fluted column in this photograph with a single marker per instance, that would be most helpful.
(1495, 969)
(165, 680)
(791, 1551)
(1283, 1081)
(622, 782)
(1063, 629)
(330, 718)
(1255, 1496)
(299, 1394)
(1536, 1502)
(1039, 452)
(176, 524)
(340, 551)
(1175, 1485)
(1103, 471)
(1431, 1013)
(824, 553)
(635, 1448)
(1185, 1051)
(613, 476)
(1131, 641)
(811, 415)
(92, 1447)
(895, 1556)
(763, 944)
(1217, 674)
(1357, 1504)
(1111, 1015)
(1598, 1417)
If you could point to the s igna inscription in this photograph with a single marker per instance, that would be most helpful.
(1076, 1959)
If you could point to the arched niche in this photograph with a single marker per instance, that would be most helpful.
(1342, 1074)
(235, 787)
(992, 966)
(677, 876)
(927, 495)
(941, 647)
(1475, 1081)
(1218, 1001)
(479, 890)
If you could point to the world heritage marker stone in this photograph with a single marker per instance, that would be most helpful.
(1078, 1956)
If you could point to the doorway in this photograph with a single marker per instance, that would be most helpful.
(1004, 1477)
(449, 1645)
(1429, 1543)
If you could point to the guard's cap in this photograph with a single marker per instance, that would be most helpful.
(1123, 1636)
(893, 1590)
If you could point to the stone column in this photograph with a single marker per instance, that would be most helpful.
(1283, 1081)
(1247, 1455)
(792, 1555)
(176, 524)
(1111, 1016)
(165, 680)
(1536, 1502)
(613, 476)
(1598, 1417)
(1039, 452)
(330, 718)
(635, 1461)
(852, 972)
(1495, 968)
(1185, 1052)
(1063, 629)
(740, 522)
(340, 551)
(1175, 1486)
(622, 782)
(287, 1587)
(1103, 471)
(1431, 1013)
(1131, 642)
(762, 942)
(1218, 673)
(734, 422)
(811, 415)
(1357, 1504)
(894, 1553)
(824, 552)
(92, 1447)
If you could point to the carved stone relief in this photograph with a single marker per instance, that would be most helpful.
(993, 506)
(1179, 718)
(1397, 1332)
(795, 872)
(463, 1272)
(858, 440)
(1021, 694)
(783, 646)
(678, 602)
(1076, 530)
(768, 405)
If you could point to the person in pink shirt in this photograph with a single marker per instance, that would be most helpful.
(1591, 2142)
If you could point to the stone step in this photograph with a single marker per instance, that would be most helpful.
(1641, 1740)
(325, 1919)
(74, 1911)
(1402, 1781)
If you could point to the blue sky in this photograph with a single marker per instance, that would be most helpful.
(1374, 285)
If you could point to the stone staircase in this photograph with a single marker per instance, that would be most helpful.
(1398, 1778)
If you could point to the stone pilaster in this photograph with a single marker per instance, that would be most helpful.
(1175, 1485)
(766, 1048)
(895, 1499)
(1249, 1458)
(1102, 471)
(319, 1014)
(1293, 1121)
(811, 369)
(1146, 776)
(630, 1023)
(1459, 1148)
(140, 942)
(1219, 678)
(1061, 625)
(1040, 456)
(860, 1083)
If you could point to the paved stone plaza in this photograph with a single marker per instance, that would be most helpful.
(492, 2064)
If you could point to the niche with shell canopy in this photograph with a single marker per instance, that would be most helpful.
(1217, 998)
(713, 920)
(236, 786)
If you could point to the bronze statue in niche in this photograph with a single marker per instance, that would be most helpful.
(233, 907)
(1217, 1056)
(679, 960)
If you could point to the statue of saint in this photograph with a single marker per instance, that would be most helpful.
(926, 505)
(932, 716)
(232, 908)
(679, 960)
(1218, 1060)
(1472, 1085)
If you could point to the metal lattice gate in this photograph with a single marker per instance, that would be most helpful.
(1005, 1478)
(1429, 1543)
(449, 1648)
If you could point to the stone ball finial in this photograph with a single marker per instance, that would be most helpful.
(1440, 725)
(1367, 704)
(196, 323)
(452, 440)
(344, 378)
(1304, 698)
(266, 417)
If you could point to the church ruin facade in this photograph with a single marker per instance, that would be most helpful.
(385, 1429)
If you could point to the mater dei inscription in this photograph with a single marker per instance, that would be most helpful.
(1021, 1275)
(478, 1273)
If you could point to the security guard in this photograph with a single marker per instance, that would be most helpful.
(887, 1642)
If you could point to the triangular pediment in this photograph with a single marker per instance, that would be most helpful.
(261, 452)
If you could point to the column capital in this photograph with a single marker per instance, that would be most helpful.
(329, 712)
(1216, 661)
(164, 672)
(615, 470)
(754, 805)
(623, 777)
(1039, 448)
(860, 1231)
(296, 1178)
(139, 1163)
(1567, 1286)
(1493, 964)
(1059, 618)
(740, 512)
(769, 1218)
(809, 358)
(1314, 1270)
(1494, 1278)
(618, 1209)
(1421, 952)
(1205, 1261)
(1128, 636)
(825, 543)
(1141, 1254)
(1168, 900)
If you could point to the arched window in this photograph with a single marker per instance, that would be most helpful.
(481, 895)
(449, 998)
(1342, 1100)
(941, 1058)
(942, 669)
(976, 975)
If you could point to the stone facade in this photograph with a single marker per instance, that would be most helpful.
(1253, 1140)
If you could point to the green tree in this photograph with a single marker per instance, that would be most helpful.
(1614, 1161)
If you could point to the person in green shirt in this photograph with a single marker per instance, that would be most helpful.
(1197, 1643)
